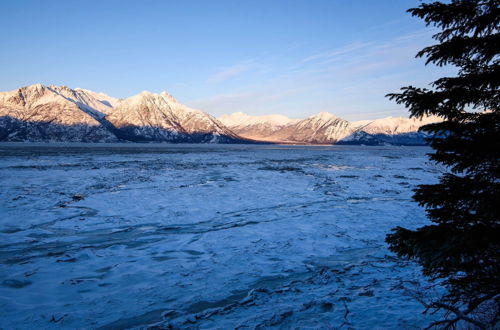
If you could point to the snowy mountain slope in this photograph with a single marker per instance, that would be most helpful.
(360, 123)
(160, 117)
(101, 97)
(85, 100)
(196, 121)
(40, 113)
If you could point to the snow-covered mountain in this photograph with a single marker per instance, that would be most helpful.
(59, 113)
(40, 113)
(159, 117)
(325, 128)
(396, 125)
(390, 130)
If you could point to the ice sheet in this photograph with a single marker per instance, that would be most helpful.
(207, 236)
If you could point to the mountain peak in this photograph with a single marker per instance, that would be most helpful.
(60, 87)
(168, 96)
(35, 87)
(146, 93)
(324, 115)
(28, 94)
(163, 95)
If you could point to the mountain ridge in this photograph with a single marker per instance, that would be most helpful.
(59, 113)
(326, 128)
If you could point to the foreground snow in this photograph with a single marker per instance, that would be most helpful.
(207, 236)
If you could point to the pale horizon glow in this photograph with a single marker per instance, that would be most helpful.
(294, 58)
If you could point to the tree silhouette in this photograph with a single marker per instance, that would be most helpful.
(462, 244)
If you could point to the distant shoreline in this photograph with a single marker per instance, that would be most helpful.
(157, 145)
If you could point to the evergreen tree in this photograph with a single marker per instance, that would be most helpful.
(462, 244)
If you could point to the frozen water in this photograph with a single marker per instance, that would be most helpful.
(124, 236)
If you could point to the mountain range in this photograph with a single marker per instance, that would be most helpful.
(61, 114)
(325, 128)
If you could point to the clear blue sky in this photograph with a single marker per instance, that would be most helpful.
(291, 57)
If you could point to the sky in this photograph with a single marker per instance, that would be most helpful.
(289, 57)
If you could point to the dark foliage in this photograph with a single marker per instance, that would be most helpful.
(463, 243)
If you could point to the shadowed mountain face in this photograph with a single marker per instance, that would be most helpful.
(58, 113)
